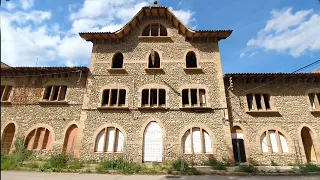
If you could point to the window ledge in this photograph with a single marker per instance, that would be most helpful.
(53, 102)
(156, 70)
(192, 70)
(153, 108)
(315, 111)
(262, 112)
(113, 108)
(117, 70)
(155, 38)
(107, 152)
(195, 108)
(5, 103)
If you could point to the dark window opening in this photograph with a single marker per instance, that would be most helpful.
(122, 98)
(258, 101)
(55, 92)
(5, 92)
(47, 93)
(250, 101)
(185, 96)
(154, 29)
(146, 31)
(163, 31)
(202, 96)
(191, 60)
(318, 96)
(266, 98)
(63, 92)
(145, 97)
(153, 97)
(105, 97)
(194, 98)
(117, 61)
(156, 61)
(114, 97)
(162, 97)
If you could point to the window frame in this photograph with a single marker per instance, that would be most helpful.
(48, 138)
(117, 105)
(113, 58)
(51, 95)
(158, 105)
(189, 132)
(6, 92)
(198, 97)
(106, 139)
(150, 30)
(316, 101)
(263, 103)
(279, 144)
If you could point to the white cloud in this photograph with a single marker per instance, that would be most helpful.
(252, 54)
(292, 33)
(9, 5)
(30, 34)
(242, 54)
(27, 4)
(186, 16)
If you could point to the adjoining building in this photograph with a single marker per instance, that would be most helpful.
(155, 92)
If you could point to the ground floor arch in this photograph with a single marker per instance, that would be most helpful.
(239, 152)
(153, 143)
(7, 138)
(308, 144)
(70, 140)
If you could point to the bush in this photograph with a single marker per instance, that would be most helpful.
(180, 165)
(248, 169)
(32, 165)
(218, 165)
(309, 167)
(118, 164)
(58, 161)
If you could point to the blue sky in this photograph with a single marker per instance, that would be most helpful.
(268, 36)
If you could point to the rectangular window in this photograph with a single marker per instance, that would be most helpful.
(257, 104)
(55, 93)
(153, 97)
(266, 99)
(194, 98)
(258, 101)
(113, 97)
(5, 92)
(314, 100)
(250, 101)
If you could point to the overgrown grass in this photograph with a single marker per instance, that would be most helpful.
(248, 169)
(60, 162)
(274, 163)
(216, 164)
(309, 167)
(118, 164)
(19, 155)
(181, 165)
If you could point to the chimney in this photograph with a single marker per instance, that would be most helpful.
(155, 3)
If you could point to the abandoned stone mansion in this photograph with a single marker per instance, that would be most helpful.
(155, 92)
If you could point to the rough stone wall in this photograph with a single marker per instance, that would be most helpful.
(26, 112)
(291, 102)
(173, 121)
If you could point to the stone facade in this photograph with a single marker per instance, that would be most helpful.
(225, 107)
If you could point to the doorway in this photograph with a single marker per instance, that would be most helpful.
(7, 138)
(308, 145)
(152, 143)
(70, 139)
(238, 145)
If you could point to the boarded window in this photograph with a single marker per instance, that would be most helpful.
(109, 139)
(196, 140)
(117, 60)
(191, 60)
(275, 138)
(39, 138)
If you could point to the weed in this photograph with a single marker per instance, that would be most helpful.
(216, 164)
(248, 169)
(32, 165)
(274, 163)
(309, 167)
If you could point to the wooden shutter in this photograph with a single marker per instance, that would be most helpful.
(196, 140)
(273, 140)
(264, 143)
(207, 142)
(284, 144)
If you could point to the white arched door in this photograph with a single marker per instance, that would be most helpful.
(153, 143)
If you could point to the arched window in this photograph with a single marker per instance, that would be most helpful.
(156, 61)
(154, 30)
(117, 60)
(275, 140)
(109, 139)
(191, 60)
(196, 141)
(39, 138)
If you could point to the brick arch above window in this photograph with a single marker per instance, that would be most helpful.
(109, 138)
(39, 137)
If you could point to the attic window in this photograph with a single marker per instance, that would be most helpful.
(55, 93)
(155, 30)
(117, 60)
(5, 92)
